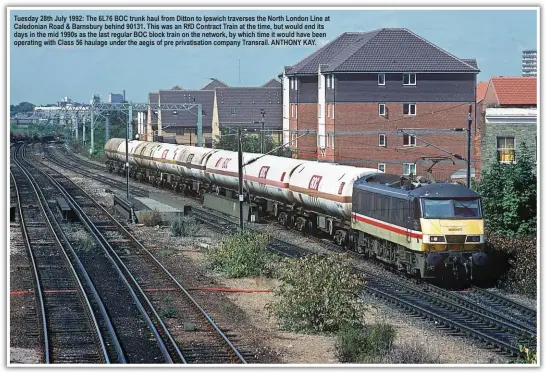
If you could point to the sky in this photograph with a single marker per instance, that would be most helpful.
(495, 38)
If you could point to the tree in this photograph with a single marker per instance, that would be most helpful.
(23, 107)
(509, 196)
(251, 143)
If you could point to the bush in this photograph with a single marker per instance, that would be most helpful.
(184, 226)
(364, 344)
(317, 293)
(151, 218)
(241, 255)
(411, 352)
(515, 261)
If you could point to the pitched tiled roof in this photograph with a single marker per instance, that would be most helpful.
(186, 118)
(176, 88)
(273, 83)
(383, 50)
(481, 88)
(244, 104)
(472, 62)
(516, 91)
(214, 83)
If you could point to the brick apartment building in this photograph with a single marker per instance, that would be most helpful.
(374, 99)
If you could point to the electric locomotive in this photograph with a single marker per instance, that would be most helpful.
(431, 230)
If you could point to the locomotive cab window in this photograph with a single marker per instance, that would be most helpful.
(451, 208)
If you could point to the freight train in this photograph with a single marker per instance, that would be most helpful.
(430, 230)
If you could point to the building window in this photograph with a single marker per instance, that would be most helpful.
(233, 111)
(295, 83)
(506, 149)
(409, 168)
(332, 81)
(381, 167)
(320, 111)
(381, 79)
(382, 109)
(333, 107)
(410, 79)
(291, 83)
(291, 110)
(382, 140)
(328, 107)
(410, 109)
(409, 140)
(320, 81)
(296, 111)
(327, 81)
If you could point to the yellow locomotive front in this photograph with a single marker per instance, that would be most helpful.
(452, 225)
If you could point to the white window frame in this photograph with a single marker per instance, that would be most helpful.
(410, 136)
(409, 75)
(379, 167)
(292, 83)
(333, 109)
(409, 169)
(320, 110)
(319, 81)
(384, 109)
(292, 110)
(382, 135)
(379, 80)
(500, 149)
(295, 83)
(409, 109)
(333, 137)
(327, 81)
(296, 111)
(332, 81)
(328, 109)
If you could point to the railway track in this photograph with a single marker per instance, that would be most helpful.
(78, 168)
(494, 324)
(199, 339)
(69, 330)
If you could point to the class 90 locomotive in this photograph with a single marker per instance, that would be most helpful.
(430, 230)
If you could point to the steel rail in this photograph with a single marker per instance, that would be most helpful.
(178, 284)
(40, 297)
(107, 250)
(96, 297)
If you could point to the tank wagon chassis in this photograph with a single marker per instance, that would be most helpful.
(360, 209)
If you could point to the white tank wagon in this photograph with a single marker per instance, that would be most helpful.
(222, 168)
(143, 155)
(164, 158)
(191, 162)
(111, 148)
(269, 177)
(326, 190)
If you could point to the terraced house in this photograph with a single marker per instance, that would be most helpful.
(387, 99)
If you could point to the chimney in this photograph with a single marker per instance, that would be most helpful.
(124, 95)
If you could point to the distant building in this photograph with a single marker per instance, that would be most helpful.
(511, 92)
(182, 123)
(529, 63)
(116, 98)
(509, 118)
(234, 106)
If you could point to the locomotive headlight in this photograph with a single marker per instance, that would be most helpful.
(437, 239)
(473, 238)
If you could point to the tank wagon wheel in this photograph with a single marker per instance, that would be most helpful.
(283, 219)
